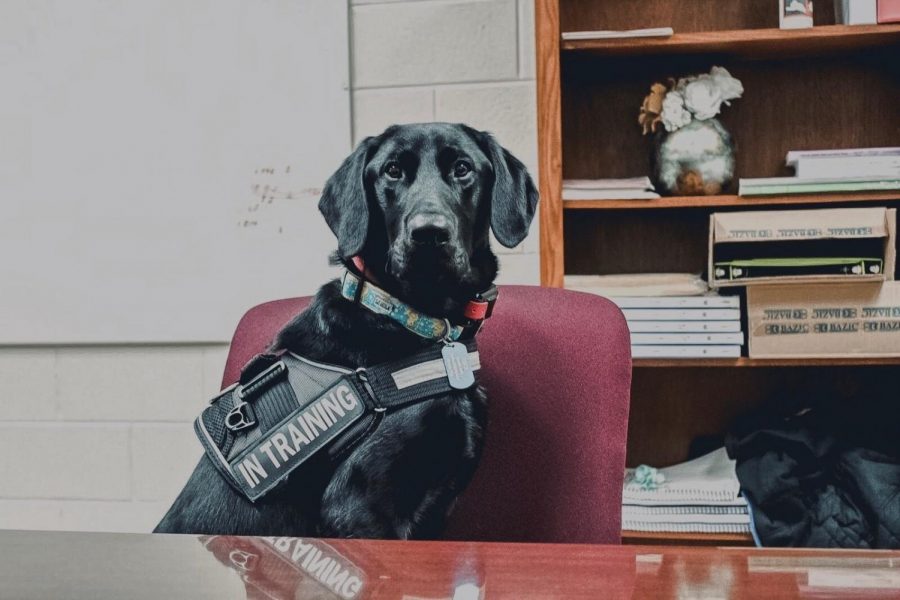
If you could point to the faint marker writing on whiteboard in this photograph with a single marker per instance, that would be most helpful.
(276, 200)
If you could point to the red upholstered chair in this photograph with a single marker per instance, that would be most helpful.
(557, 368)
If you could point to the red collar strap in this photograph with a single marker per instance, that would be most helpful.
(477, 310)
(482, 306)
(362, 269)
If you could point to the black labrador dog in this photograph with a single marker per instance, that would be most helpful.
(416, 203)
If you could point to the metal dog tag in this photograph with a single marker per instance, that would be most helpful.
(456, 361)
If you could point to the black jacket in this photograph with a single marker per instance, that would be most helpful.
(826, 477)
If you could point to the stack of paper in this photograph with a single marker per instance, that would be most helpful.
(701, 495)
(850, 170)
(633, 188)
(639, 284)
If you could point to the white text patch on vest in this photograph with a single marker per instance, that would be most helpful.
(297, 438)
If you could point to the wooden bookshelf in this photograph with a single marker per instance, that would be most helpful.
(832, 86)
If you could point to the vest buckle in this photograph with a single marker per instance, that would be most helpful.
(241, 416)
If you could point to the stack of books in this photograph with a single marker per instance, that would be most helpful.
(683, 326)
(633, 188)
(824, 171)
(670, 315)
(698, 496)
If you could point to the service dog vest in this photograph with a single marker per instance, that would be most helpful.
(286, 408)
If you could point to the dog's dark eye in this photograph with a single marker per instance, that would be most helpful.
(461, 168)
(393, 171)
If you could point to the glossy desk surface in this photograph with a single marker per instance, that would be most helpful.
(99, 566)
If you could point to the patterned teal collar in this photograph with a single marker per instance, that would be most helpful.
(355, 288)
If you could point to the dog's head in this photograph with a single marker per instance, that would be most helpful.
(417, 202)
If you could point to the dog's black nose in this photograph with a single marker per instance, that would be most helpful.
(430, 235)
(428, 230)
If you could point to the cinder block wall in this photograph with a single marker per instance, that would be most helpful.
(469, 61)
(99, 438)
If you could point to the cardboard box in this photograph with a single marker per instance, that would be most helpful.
(802, 234)
(832, 320)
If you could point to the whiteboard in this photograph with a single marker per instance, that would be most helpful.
(161, 161)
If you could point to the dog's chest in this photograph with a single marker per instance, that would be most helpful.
(450, 425)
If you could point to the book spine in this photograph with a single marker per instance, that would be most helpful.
(794, 156)
(685, 351)
(633, 494)
(861, 12)
(684, 326)
(685, 527)
(676, 301)
(686, 338)
(686, 518)
(678, 314)
(634, 510)
(751, 189)
(882, 166)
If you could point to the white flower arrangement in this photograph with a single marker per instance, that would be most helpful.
(690, 98)
(674, 113)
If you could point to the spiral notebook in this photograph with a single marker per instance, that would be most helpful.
(685, 518)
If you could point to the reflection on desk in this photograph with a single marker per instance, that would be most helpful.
(97, 566)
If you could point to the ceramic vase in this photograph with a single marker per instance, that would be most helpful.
(696, 160)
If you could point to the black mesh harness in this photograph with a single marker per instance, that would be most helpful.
(286, 408)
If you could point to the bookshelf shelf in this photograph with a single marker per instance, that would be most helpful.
(747, 43)
(723, 201)
(845, 361)
(698, 539)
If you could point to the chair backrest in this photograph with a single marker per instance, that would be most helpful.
(557, 368)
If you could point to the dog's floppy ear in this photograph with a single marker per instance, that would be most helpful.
(344, 202)
(513, 198)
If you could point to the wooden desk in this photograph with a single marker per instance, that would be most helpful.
(97, 566)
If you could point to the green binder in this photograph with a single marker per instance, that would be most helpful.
(774, 267)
